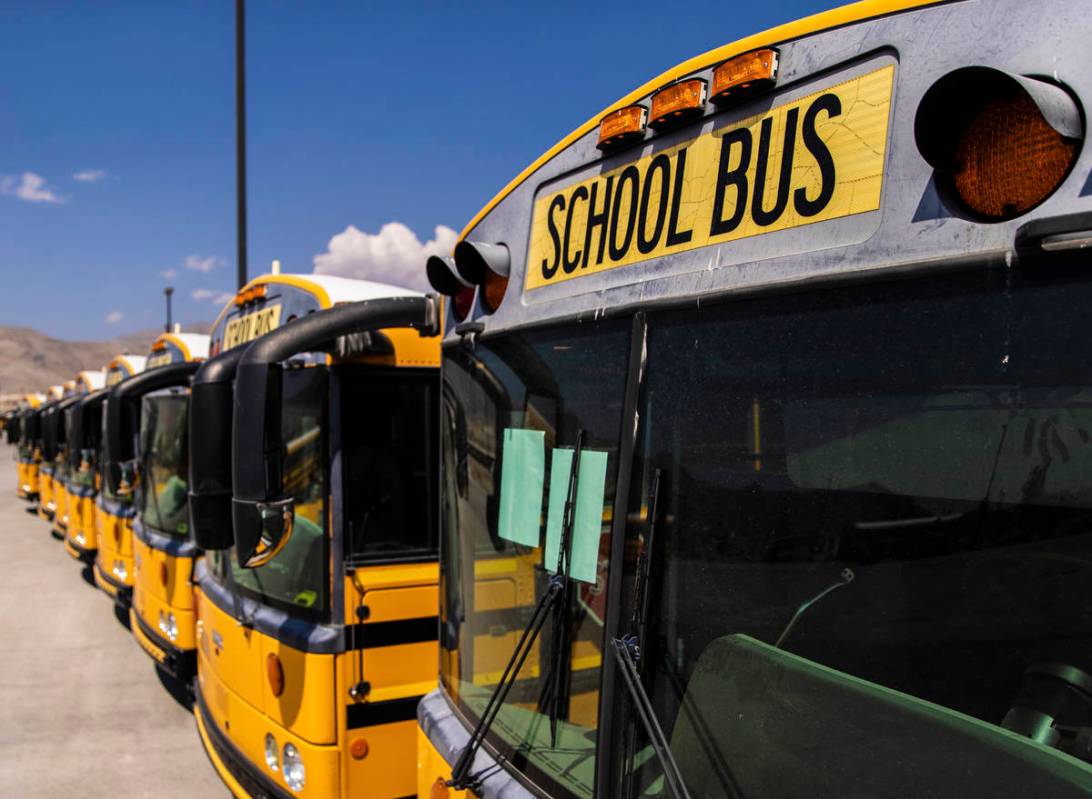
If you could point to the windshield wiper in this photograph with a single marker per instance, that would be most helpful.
(627, 654)
(461, 779)
(558, 589)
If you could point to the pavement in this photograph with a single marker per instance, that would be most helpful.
(83, 711)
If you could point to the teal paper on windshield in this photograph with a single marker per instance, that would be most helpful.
(523, 467)
(588, 514)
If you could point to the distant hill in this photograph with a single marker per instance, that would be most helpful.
(30, 360)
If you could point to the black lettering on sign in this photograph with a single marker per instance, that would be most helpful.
(662, 165)
(735, 178)
(597, 220)
(674, 235)
(632, 178)
(821, 153)
(569, 264)
(758, 211)
(549, 268)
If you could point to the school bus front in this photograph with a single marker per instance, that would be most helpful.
(311, 663)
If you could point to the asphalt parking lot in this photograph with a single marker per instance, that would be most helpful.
(82, 709)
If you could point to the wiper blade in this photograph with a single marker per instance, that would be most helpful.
(626, 654)
(461, 779)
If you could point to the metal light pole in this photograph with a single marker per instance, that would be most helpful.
(240, 139)
(168, 292)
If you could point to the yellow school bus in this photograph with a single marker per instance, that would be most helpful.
(161, 616)
(113, 546)
(795, 424)
(45, 443)
(21, 433)
(74, 496)
(317, 631)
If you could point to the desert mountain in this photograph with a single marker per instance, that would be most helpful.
(30, 360)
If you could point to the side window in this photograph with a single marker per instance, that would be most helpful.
(389, 440)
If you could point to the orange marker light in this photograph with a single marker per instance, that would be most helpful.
(358, 748)
(159, 346)
(677, 102)
(750, 71)
(439, 789)
(622, 126)
(493, 290)
(274, 671)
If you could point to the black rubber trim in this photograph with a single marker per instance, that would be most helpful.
(179, 663)
(392, 633)
(86, 555)
(174, 545)
(253, 781)
(124, 597)
(371, 714)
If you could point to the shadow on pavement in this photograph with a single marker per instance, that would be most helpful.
(181, 692)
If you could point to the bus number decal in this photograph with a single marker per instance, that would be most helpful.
(249, 327)
(814, 159)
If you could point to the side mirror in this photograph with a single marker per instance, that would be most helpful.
(261, 530)
(212, 401)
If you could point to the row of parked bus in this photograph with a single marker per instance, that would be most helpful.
(742, 451)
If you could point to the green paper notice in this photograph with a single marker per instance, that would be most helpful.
(522, 474)
(588, 514)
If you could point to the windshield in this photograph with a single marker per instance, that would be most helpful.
(80, 461)
(164, 456)
(390, 450)
(541, 390)
(875, 525)
(103, 419)
(296, 578)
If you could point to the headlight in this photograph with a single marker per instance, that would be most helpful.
(271, 759)
(294, 773)
(119, 570)
(172, 627)
(80, 539)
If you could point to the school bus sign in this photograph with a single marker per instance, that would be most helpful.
(817, 158)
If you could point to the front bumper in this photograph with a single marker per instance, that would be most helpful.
(242, 778)
(122, 594)
(79, 553)
(179, 663)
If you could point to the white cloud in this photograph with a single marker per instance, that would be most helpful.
(31, 187)
(198, 264)
(212, 296)
(114, 317)
(90, 175)
(169, 274)
(394, 255)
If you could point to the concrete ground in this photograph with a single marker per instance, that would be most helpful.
(83, 711)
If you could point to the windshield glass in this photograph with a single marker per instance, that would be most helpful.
(164, 455)
(80, 462)
(874, 529)
(390, 449)
(103, 420)
(553, 385)
(296, 578)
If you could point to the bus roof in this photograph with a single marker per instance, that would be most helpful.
(844, 15)
(193, 346)
(93, 380)
(329, 290)
(134, 363)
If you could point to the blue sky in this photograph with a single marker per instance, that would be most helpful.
(117, 134)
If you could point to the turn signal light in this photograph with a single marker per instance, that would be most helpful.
(622, 126)
(745, 73)
(358, 748)
(678, 102)
(274, 671)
